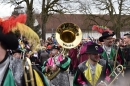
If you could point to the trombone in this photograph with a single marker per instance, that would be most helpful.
(28, 72)
(117, 71)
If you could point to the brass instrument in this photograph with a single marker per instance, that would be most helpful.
(28, 72)
(117, 45)
(117, 71)
(51, 74)
(68, 35)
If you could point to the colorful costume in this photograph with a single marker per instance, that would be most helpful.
(12, 73)
(82, 55)
(110, 53)
(92, 71)
(84, 75)
(62, 78)
(11, 69)
(111, 57)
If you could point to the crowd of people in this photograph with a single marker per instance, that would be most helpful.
(90, 62)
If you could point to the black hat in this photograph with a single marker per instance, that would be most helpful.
(8, 31)
(105, 35)
(55, 47)
(127, 34)
(94, 49)
(8, 40)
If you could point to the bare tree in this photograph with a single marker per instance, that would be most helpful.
(30, 13)
(49, 7)
(113, 12)
(29, 10)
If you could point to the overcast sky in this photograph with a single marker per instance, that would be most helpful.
(6, 10)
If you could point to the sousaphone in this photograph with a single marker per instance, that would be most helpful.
(68, 35)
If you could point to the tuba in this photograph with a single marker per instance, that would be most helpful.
(68, 35)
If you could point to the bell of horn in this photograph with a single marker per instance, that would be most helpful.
(68, 35)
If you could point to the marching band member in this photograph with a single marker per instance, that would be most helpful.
(109, 53)
(57, 62)
(82, 52)
(93, 70)
(11, 69)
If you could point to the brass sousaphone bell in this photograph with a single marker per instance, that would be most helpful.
(68, 35)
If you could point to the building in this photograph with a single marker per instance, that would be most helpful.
(79, 19)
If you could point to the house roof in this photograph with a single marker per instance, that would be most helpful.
(79, 19)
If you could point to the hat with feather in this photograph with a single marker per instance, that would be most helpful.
(106, 32)
(8, 28)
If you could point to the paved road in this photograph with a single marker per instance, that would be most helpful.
(71, 80)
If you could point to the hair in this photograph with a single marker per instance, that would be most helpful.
(117, 39)
(127, 34)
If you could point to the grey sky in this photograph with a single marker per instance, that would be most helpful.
(6, 9)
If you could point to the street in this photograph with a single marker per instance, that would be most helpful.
(71, 80)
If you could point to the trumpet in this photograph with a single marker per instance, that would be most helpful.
(117, 71)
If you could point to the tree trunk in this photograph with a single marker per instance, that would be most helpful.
(44, 31)
(118, 32)
(44, 20)
(30, 17)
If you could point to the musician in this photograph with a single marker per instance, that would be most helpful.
(109, 53)
(11, 69)
(82, 52)
(93, 70)
(57, 61)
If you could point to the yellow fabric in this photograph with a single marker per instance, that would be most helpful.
(21, 44)
(97, 73)
(88, 74)
(38, 79)
(26, 31)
